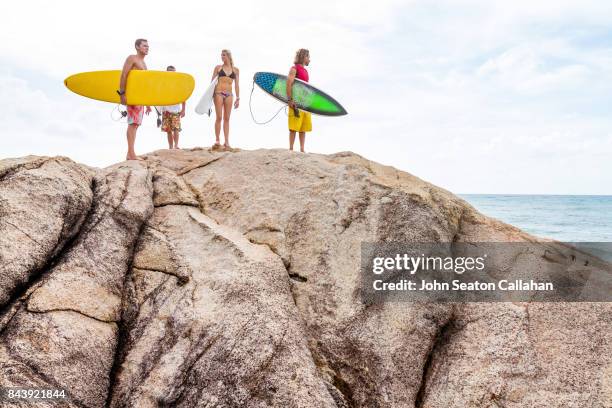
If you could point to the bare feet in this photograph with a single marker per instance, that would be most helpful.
(133, 158)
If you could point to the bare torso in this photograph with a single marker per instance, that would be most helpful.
(131, 62)
(138, 62)
(225, 82)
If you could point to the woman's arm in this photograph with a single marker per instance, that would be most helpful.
(237, 86)
(215, 72)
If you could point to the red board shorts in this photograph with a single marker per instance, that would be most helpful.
(135, 114)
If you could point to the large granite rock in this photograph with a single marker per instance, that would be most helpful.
(64, 330)
(215, 279)
(43, 202)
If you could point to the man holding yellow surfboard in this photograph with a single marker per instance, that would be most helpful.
(134, 112)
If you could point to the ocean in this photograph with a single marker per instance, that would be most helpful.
(567, 218)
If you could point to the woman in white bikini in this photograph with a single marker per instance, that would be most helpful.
(228, 75)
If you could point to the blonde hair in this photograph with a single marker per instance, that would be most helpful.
(229, 55)
(301, 55)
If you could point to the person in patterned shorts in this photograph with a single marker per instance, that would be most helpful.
(171, 119)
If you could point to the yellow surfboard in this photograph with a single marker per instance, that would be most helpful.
(143, 87)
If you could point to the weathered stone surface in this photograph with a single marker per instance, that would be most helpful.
(171, 189)
(63, 332)
(43, 202)
(523, 355)
(154, 252)
(231, 279)
(181, 161)
(230, 336)
(314, 212)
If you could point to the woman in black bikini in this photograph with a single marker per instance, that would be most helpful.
(227, 74)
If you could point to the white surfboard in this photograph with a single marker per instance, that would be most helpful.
(206, 103)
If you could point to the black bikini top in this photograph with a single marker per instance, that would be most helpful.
(223, 74)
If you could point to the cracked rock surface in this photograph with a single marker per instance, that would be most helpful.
(214, 279)
(43, 203)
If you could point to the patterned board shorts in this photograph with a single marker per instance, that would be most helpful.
(171, 122)
(134, 114)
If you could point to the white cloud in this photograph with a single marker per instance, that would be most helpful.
(476, 96)
(523, 69)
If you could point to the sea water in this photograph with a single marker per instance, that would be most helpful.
(567, 218)
(584, 221)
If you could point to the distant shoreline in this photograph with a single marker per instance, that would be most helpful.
(567, 218)
(533, 195)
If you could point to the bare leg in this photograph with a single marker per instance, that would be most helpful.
(169, 133)
(227, 111)
(291, 139)
(302, 141)
(176, 137)
(131, 139)
(219, 114)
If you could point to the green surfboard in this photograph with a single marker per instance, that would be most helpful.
(306, 96)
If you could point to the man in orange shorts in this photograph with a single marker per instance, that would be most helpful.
(134, 113)
(299, 121)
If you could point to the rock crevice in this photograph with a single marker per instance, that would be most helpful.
(198, 278)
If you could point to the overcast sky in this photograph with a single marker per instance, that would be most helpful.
(474, 96)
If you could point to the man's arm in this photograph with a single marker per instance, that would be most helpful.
(290, 80)
(183, 110)
(127, 66)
